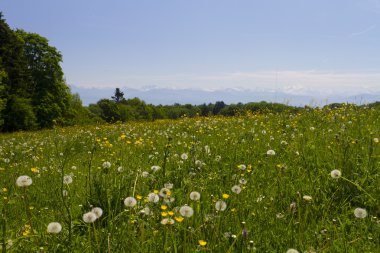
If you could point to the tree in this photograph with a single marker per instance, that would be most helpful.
(109, 110)
(119, 96)
(50, 94)
(15, 81)
(219, 105)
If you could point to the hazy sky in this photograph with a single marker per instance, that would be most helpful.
(297, 46)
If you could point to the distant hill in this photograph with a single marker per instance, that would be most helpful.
(166, 96)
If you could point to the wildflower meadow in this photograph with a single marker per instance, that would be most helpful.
(304, 181)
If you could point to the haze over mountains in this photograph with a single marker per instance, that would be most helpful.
(168, 96)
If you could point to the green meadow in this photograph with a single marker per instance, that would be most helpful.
(263, 182)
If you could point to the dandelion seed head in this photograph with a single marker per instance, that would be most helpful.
(67, 179)
(360, 213)
(236, 189)
(242, 181)
(195, 195)
(153, 197)
(97, 211)
(271, 152)
(106, 165)
(184, 156)
(89, 217)
(336, 174)
(167, 221)
(186, 211)
(130, 202)
(24, 181)
(164, 192)
(155, 168)
(292, 251)
(54, 228)
(220, 205)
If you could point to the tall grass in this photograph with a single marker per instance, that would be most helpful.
(282, 164)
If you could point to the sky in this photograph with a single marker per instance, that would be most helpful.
(294, 46)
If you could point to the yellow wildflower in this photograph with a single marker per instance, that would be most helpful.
(179, 218)
(202, 242)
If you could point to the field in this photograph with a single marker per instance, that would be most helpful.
(264, 182)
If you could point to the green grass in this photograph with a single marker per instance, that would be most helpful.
(270, 214)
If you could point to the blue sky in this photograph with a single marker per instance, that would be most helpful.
(296, 46)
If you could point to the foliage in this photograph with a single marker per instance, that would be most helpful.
(30, 74)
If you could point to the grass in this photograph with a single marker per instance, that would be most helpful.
(287, 200)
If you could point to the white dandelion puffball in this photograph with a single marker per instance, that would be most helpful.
(186, 211)
(153, 197)
(236, 189)
(23, 181)
(146, 211)
(195, 196)
(164, 192)
(106, 165)
(97, 211)
(67, 179)
(145, 174)
(130, 202)
(220, 205)
(292, 251)
(271, 152)
(54, 228)
(155, 168)
(242, 167)
(89, 217)
(167, 221)
(120, 169)
(360, 213)
(198, 163)
(184, 156)
(169, 199)
(242, 181)
(336, 174)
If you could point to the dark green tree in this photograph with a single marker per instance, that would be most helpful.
(109, 110)
(50, 94)
(15, 81)
(119, 95)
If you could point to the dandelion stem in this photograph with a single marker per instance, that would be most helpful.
(359, 187)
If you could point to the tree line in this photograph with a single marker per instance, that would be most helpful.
(120, 109)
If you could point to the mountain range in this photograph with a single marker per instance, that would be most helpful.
(168, 96)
